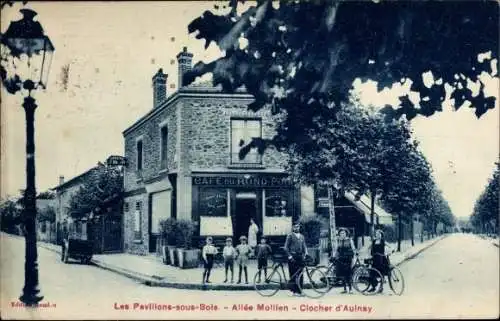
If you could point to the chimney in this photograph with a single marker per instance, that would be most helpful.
(159, 88)
(184, 59)
(61, 180)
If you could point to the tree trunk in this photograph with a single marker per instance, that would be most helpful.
(422, 225)
(412, 232)
(333, 227)
(372, 214)
(400, 231)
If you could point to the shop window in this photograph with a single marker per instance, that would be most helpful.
(242, 132)
(278, 203)
(213, 202)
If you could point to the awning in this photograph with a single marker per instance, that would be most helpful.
(364, 206)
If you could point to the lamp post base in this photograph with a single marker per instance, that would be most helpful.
(31, 298)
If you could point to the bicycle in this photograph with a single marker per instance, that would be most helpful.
(369, 281)
(395, 277)
(311, 281)
(330, 272)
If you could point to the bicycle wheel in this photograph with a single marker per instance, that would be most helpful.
(396, 280)
(367, 281)
(314, 283)
(267, 286)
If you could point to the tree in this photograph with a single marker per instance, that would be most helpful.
(304, 55)
(301, 58)
(356, 149)
(412, 189)
(47, 195)
(47, 214)
(101, 189)
(10, 215)
(485, 215)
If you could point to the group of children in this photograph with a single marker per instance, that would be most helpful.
(240, 255)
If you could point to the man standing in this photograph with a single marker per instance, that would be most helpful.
(296, 250)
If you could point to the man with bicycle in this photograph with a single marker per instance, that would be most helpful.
(296, 250)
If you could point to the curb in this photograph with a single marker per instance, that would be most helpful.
(413, 255)
(153, 281)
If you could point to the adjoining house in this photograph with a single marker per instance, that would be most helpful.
(46, 217)
(105, 231)
(351, 213)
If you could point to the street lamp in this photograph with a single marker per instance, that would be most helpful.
(26, 54)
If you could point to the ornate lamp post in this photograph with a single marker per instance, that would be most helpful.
(26, 54)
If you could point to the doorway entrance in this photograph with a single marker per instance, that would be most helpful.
(245, 209)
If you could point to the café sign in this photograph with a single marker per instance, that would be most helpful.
(242, 181)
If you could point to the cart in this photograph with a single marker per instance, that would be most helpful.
(78, 249)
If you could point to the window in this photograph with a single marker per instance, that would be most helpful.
(139, 154)
(138, 221)
(242, 132)
(213, 202)
(278, 203)
(125, 207)
(163, 146)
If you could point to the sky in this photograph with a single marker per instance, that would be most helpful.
(100, 83)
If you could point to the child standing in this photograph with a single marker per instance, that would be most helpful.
(229, 253)
(263, 253)
(208, 254)
(243, 250)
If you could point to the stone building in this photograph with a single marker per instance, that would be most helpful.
(183, 163)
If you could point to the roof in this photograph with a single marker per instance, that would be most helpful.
(74, 180)
(364, 205)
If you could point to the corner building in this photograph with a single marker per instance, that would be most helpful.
(183, 163)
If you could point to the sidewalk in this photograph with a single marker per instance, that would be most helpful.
(494, 239)
(149, 270)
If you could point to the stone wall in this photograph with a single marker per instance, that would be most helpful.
(206, 134)
(150, 133)
(131, 243)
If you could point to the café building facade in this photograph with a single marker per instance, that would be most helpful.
(183, 162)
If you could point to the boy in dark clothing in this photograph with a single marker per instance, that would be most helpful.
(263, 253)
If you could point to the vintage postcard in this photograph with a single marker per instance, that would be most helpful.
(249, 160)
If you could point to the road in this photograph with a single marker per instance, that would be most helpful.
(457, 277)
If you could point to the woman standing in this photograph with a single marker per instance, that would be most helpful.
(345, 253)
(253, 229)
(380, 260)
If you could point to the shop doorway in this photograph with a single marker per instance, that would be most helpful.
(245, 209)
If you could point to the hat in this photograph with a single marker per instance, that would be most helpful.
(340, 229)
(379, 230)
(243, 237)
(229, 239)
(297, 224)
